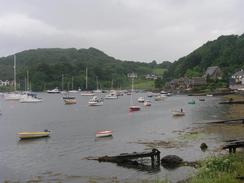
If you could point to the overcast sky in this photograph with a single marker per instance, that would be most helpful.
(139, 30)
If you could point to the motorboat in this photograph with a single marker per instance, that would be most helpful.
(69, 100)
(163, 92)
(201, 99)
(169, 94)
(30, 135)
(30, 98)
(178, 113)
(105, 133)
(95, 101)
(147, 103)
(53, 91)
(149, 94)
(132, 107)
(111, 95)
(141, 99)
(73, 91)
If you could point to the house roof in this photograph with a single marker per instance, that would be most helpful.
(239, 73)
(210, 70)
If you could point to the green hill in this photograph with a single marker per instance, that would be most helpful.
(227, 52)
(46, 67)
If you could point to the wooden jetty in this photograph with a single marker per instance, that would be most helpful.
(230, 121)
(233, 144)
(232, 102)
(240, 120)
(126, 158)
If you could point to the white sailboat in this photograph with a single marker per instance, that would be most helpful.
(112, 94)
(95, 101)
(87, 93)
(29, 97)
(69, 99)
(13, 95)
(72, 86)
(97, 90)
(133, 107)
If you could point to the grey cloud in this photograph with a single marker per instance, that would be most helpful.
(139, 30)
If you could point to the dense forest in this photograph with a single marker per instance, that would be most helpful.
(227, 52)
(46, 66)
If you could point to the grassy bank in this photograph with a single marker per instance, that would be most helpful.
(221, 169)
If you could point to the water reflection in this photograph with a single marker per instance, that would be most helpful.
(104, 139)
(141, 167)
(33, 141)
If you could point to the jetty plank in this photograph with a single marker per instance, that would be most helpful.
(233, 145)
(127, 157)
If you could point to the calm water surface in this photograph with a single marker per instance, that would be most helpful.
(73, 127)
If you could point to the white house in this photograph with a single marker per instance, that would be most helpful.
(4, 83)
(238, 77)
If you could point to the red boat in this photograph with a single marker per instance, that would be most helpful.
(134, 108)
(105, 133)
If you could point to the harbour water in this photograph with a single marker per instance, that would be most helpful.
(60, 158)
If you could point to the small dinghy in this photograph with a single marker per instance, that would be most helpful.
(134, 108)
(178, 113)
(30, 135)
(69, 100)
(192, 102)
(141, 99)
(105, 133)
(147, 103)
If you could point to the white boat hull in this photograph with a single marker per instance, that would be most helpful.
(29, 99)
(111, 97)
(95, 103)
(12, 96)
(87, 94)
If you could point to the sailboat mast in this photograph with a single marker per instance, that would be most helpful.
(72, 83)
(14, 72)
(27, 81)
(86, 78)
(97, 82)
(62, 82)
(132, 89)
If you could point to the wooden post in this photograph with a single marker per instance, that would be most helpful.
(230, 150)
(158, 158)
(152, 160)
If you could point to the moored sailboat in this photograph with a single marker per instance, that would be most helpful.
(95, 101)
(133, 107)
(13, 95)
(86, 92)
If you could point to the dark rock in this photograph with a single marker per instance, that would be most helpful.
(171, 161)
(203, 146)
